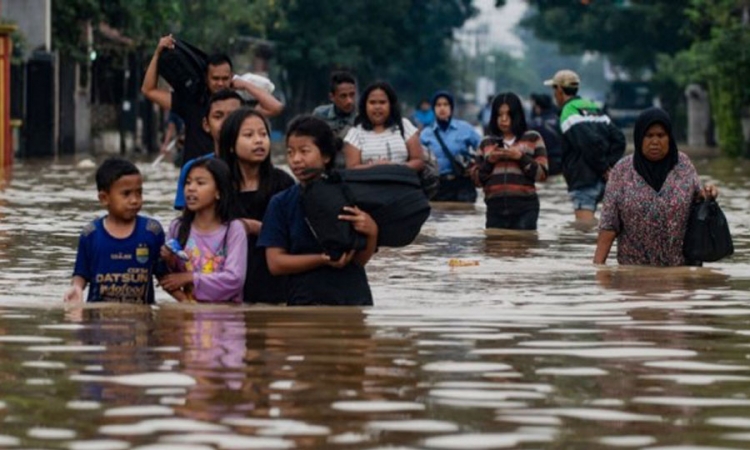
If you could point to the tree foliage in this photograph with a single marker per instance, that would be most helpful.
(210, 24)
(631, 33)
(680, 41)
(719, 57)
(406, 42)
(68, 17)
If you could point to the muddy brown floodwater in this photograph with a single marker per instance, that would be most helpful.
(528, 346)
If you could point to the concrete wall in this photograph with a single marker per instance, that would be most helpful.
(34, 21)
(699, 115)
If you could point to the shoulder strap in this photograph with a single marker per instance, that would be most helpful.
(457, 169)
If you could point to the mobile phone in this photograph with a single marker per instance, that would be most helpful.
(490, 140)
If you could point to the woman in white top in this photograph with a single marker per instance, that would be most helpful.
(380, 134)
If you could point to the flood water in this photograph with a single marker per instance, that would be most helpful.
(527, 346)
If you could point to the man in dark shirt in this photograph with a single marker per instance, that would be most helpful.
(219, 75)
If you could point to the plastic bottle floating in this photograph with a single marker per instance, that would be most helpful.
(455, 262)
(174, 246)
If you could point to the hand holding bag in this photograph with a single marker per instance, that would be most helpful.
(707, 237)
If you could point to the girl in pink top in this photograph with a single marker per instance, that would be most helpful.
(215, 245)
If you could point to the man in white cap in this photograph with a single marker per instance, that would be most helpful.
(591, 144)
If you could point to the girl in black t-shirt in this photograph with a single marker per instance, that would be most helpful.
(245, 145)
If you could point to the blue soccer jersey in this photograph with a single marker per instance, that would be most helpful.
(119, 270)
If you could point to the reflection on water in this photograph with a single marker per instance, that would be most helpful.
(529, 346)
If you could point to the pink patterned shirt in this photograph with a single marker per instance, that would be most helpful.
(650, 225)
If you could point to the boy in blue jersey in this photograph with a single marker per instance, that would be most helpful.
(118, 253)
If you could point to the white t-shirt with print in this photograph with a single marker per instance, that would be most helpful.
(387, 144)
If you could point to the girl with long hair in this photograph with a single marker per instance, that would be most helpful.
(215, 245)
(245, 145)
(512, 159)
(292, 249)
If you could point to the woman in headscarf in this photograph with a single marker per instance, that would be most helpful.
(454, 143)
(648, 197)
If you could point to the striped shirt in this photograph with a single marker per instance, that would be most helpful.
(515, 179)
(387, 144)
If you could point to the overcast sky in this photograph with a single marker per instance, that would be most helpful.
(500, 22)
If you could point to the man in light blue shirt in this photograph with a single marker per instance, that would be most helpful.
(454, 143)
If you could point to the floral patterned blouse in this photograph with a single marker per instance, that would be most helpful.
(650, 225)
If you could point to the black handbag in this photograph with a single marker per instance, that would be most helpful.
(707, 237)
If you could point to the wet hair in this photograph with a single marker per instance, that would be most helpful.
(224, 206)
(230, 131)
(394, 118)
(517, 115)
(217, 59)
(321, 134)
(341, 77)
(224, 94)
(111, 170)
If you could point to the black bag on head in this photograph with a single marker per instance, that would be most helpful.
(184, 68)
(707, 237)
(391, 194)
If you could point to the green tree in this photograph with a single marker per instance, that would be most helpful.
(406, 42)
(719, 58)
(630, 33)
(680, 41)
(210, 24)
(69, 16)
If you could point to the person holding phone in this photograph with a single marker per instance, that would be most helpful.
(512, 159)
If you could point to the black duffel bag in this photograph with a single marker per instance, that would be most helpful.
(707, 237)
(184, 68)
(392, 194)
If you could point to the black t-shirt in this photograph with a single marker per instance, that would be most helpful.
(260, 285)
(192, 110)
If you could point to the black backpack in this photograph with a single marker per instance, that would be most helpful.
(184, 68)
(391, 194)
